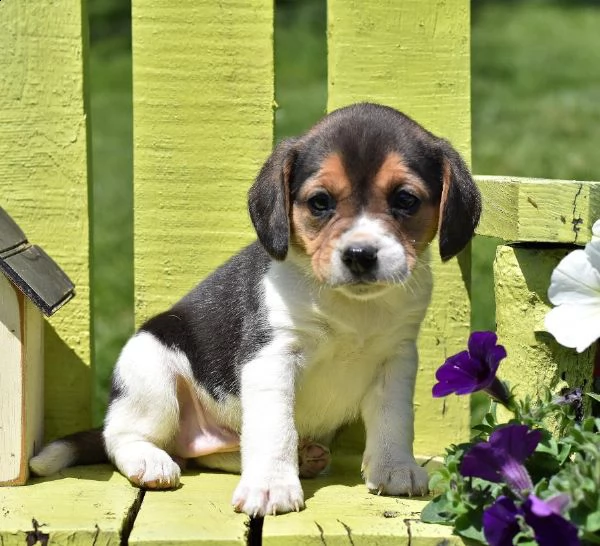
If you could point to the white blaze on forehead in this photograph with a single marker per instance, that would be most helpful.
(365, 229)
(392, 265)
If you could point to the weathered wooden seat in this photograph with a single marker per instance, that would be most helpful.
(203, 113)
(95, 505)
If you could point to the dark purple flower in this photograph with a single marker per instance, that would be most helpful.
(501, 521)
(473, 370)
(501, 458)
(549, 527)
(500, 524)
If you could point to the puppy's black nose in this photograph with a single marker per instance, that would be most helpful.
(360, 259)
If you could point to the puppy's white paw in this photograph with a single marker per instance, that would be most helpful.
(259, 495)
(147, 466)
(400, 478)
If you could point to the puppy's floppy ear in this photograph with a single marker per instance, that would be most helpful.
(269, 200)
(460, 205)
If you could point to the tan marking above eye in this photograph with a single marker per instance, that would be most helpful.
(331, 177)
(394, 173)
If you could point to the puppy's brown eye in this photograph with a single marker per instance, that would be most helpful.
(404, 203)
(321, 204)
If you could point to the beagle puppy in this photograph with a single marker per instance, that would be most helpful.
(304, 330)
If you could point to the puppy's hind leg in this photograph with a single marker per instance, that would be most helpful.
(143, 416)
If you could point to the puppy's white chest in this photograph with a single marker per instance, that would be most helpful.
(339, 344)
(333, 376)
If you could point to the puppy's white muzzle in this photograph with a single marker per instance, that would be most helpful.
(367, 258)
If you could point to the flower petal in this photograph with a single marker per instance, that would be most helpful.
(500, 524)
(518, 441)
(480, 343)
(574, 279)
(558, 504)
(549, 527)
(592, 249)
(483, 461)
(493, 358)
(576, 326)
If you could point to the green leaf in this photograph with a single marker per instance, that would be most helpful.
(469, 526)
(438, 510)
(593, 395)
(592, 522)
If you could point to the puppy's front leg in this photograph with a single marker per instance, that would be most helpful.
(269, 482)
(389, 466)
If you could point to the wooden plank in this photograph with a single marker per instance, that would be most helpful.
(203, 101)
(535, 360)
(44, 168)
(87, 505)
(22, 372)
(12, 325)
(340, 511)
(534, 209)
(198, 513)
(414, 56)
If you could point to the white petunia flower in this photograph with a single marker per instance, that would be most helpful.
(575, 290)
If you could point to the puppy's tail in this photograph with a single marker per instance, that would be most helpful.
(86, 447)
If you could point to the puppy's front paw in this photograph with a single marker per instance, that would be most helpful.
(259, 495)
(147, 466)
(401, 478)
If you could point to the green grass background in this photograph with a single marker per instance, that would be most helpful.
(535, 112)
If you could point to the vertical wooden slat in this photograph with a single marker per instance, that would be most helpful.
(203, 100)
(203, 111)
(44, 178)
(536, 362)
(414, 55)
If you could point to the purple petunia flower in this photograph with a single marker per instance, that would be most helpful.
(501, 521)
(473, 370)
(500, 524)
(545, 518)
(501, 458)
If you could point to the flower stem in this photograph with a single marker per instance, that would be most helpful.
(499, 392)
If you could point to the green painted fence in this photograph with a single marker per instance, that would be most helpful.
(203, 124)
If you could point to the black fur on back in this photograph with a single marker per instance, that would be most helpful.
(221, 323)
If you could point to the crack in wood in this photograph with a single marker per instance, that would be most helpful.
(408, 530)
(96, 534)
(130, 518)
(577, 221)
(254, 530)
(321, 534)
(37, 536)
(348, 531)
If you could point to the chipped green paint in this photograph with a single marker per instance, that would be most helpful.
(44, 173)
(203, 109)
(414, 55)
(535, 360)
(87, 505)
(533, 209)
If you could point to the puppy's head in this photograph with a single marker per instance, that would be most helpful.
(360, 197)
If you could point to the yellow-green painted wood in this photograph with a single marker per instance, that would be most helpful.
(84, 505)
(533, 209)
(340, 511)
(535, 360)
(44, 174)
(414, 55)
(338, 507)
(198, 513)
(203, 109)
